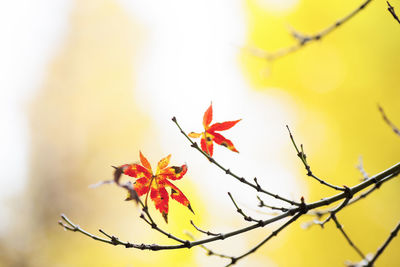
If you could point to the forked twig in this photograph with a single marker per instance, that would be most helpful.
(202, 231)
(262, 204)
(240, 211)
(303, 158)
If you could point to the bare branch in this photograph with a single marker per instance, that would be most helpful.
(240, 211)
(303, 40)
(67, 224)
(202, 231)
(302, 209)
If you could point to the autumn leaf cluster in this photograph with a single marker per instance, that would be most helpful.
(155, 184)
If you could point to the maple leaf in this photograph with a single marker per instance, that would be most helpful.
(210, 134)
(155, 184)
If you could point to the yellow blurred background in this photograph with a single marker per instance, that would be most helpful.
(92, 82)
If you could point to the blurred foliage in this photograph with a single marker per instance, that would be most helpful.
(83, 120)
(336, 84)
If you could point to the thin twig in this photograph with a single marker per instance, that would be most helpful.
(240, 211)
(383, 247)
(229, 172)
(391, 10)
(303, 159)
(351, 243)
(67, 224)
(202, 231)
(391, 125)
(262, 204)
(303, 40)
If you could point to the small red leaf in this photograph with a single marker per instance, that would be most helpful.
(207, 118)
(142, 186)
(194, 135)
(136, 170)
(163, 163)
(220, 140)
(160, 198)
(222, 126)
(145, 162)
(177, 195)
(209, 135)
(174, 172)
(207, 146)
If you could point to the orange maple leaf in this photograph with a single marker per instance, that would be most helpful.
(210, 135)
(155, 184)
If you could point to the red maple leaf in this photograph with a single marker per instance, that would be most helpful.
(210, 134)
(155, 184)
